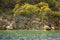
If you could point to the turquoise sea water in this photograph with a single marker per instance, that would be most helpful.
(29, 35)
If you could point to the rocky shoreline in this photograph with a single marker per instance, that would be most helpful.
(23, 22)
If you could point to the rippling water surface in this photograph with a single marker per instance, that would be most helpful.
(29, 35)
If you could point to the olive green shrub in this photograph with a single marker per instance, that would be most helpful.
(27, 9)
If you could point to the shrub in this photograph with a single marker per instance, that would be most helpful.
(44, 10)
(27, 9)
(41, 4)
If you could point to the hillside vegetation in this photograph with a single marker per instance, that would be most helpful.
(30, 14)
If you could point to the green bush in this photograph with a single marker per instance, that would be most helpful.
(44, 9)
(27, 9)
(55, 14)
(41, 4)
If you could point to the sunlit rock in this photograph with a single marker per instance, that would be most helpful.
(53, 28)
(46, 27)
(10, 26)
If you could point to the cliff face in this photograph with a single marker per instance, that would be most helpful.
(28, 23)
(24, 22)
(21, 22)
